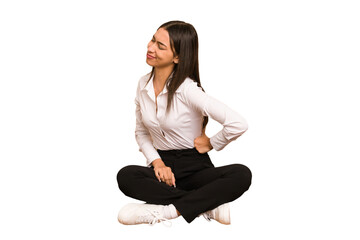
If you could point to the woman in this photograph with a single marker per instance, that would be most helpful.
(171, 115)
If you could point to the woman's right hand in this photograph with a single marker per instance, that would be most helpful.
(163, 173)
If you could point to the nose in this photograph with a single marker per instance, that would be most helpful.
(151, 47)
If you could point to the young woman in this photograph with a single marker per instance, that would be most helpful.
(171, 115)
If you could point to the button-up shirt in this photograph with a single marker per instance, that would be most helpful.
(177, 129)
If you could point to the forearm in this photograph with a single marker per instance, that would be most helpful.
(234, 125)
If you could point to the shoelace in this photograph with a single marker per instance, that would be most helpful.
(207, 216)
(154, 218)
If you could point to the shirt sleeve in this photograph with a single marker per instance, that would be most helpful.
(234, 125)
(143, 137)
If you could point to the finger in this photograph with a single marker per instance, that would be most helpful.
(168, 182)
(202, 150)
(162, 177)
(167, 177)
(157, 175)
(197, 147)
(173, 180)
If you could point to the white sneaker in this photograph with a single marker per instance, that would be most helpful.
(135, 213)
(220, 214)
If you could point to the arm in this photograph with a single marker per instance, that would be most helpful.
(234, 125)
(144, 140)
(143, 137)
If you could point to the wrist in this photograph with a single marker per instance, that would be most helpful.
(210, 144)
(158, 163)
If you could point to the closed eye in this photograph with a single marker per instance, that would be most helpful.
(161, 45)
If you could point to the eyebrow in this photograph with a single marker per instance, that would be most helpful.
(159, 42)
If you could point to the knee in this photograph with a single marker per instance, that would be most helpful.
(243, 175)
(124, 176)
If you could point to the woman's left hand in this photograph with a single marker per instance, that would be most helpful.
(202, 143)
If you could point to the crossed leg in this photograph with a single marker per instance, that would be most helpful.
(195, 194)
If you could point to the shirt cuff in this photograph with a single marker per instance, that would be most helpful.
(217, 143)
(150, 154)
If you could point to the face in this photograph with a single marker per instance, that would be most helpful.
(159, 52)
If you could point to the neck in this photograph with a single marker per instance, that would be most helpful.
(161, 75)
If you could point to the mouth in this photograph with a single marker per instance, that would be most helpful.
(149, 56)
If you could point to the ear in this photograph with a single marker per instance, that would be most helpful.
(176, 60)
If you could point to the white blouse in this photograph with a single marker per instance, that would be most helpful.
(177, 129)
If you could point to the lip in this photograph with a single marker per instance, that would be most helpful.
(149, 56)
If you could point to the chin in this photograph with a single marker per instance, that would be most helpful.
(149, 63)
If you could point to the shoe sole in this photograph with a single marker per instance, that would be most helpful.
(224, 214)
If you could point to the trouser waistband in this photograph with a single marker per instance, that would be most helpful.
(187, 150)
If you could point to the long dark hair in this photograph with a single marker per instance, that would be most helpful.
(184, 44)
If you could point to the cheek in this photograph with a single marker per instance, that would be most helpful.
(171, 57)
(166, 56)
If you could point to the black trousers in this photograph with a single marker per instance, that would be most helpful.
(199, 185)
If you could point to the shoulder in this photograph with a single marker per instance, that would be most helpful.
(192, 94)
(186, 85)
(143, 81)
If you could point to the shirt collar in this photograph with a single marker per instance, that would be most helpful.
(149, 87)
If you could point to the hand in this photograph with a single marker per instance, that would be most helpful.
(202, 143)
(163, 173)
